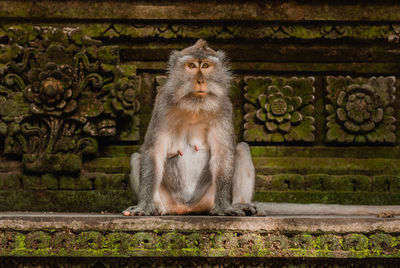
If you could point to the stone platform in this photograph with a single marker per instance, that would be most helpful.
(289, 232)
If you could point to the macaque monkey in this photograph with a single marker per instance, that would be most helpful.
(189, 161)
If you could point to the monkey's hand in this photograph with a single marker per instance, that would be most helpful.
(140, 211)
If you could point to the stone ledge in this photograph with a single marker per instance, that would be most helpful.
(343, 232)
(202, 10)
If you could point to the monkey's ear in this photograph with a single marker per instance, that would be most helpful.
(173, 58)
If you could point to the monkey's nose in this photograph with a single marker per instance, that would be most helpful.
(200, 81)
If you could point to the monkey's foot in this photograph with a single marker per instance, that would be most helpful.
(139, 211)
(230, 211)
(248, 208)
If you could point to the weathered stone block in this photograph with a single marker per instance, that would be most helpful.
(315, 182)
(303, 241)
(356, 242)
(49, 181)
(380, 183)
(10, 181)
(67, 183)
(31, 182)
(89, 239)
(37, 240)
(339, 183)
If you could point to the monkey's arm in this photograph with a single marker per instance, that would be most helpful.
(153, 153)
(151, 174)
(222, 146)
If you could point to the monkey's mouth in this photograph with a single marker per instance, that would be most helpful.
(200, 93)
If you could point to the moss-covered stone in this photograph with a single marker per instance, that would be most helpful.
(49, 181)
(38, 240)
(116, 243)
(63, 241)
(315, 182)
(145, 240)
(303, 241)
(67, 183)
(277, 242)
(382, 242)
(31, 182)
(328, 242)
(380, 183)
(356, 242)
(281, 182)
(89, 240)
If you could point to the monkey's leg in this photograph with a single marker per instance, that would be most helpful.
(243, 180)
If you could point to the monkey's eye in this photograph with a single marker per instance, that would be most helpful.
(192, 65)
(205, 65)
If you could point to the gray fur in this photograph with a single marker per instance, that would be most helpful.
(215, 161)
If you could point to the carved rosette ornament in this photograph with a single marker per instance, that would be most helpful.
(59, 90)
(279, 109)
(360, 111)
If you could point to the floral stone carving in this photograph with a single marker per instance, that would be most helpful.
(59, 90)
(279, 109)
(360, 110)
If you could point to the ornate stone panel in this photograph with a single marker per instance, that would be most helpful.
(60, 243)
(58, 90)
(360, 110)
(279, 109)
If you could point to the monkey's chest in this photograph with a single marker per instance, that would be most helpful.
(187, 168)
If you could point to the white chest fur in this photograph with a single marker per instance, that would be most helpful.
(190, 152)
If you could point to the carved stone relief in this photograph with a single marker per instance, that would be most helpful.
(279, 109)
(58, 90)
(360, 110)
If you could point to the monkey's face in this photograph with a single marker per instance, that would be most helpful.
(199, 70)
(199, 78)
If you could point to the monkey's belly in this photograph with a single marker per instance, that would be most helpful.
(187, 177)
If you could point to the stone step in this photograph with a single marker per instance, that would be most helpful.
(287, 231)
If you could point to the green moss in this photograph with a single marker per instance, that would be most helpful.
(109, 165)
(334, 166)
(328, 242)
(145, 240)
(49, 181)
(315, 182)
(328, 197)
(281, 182)
(37, 240)
(355, 242)
(66, 200)
(216, 243)
(10, 181)
(89, 240)
(67, 183)
(116, 243)
(339, 183)
(303, 241)
(173, 240)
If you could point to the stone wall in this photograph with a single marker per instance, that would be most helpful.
(314, 95)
